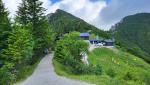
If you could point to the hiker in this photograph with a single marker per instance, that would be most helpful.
(46, 51)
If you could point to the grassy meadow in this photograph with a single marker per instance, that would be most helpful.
(118, 68)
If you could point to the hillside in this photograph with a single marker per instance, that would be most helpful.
(63, 22)
(133, 34)
(118, 68)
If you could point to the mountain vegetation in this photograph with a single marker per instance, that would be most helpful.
(23, 41)
(68, 53)
(5, 28)
(117, 68)
(133, 33)
(63, 22)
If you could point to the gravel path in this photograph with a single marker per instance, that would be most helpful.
(44, 75)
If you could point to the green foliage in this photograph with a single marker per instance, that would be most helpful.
(116, 67)
(120, 65)
(111, 72)
(147, 79)
(63, 22)
(96, 69)
(25, 71)
(68, 52)
(5, 69)
(22, 13)
(31, 12)
(20, 45)
(5, 28)
(133, 34)
(6, 77)
(128, 76)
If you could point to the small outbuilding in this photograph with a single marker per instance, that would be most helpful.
(109, 42)
(85, 36)
(94, 41)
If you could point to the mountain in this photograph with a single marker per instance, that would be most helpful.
(63, 22)
(133, 34)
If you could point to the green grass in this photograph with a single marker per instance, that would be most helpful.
(26, 71)
(119, 68)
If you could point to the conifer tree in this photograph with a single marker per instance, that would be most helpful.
(40, 29)
(36, 13)
(22, 13)
(4, 26)
(32, 12)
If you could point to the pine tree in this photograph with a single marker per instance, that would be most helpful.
(4, 26)
(36, 13)
(22, 13)
(32, 12)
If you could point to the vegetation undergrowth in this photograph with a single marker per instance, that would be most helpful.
(118, 68)
(26, 71)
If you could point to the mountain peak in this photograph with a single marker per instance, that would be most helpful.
(59, 10)
(64, 22)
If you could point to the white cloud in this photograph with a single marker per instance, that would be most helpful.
(84, 9)
(118, 9)
(11, 5)
(98, 13)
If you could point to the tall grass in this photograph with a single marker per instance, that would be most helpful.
(118, 68)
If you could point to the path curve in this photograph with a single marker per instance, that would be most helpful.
(44, 75)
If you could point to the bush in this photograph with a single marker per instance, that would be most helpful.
(6, 76)
(147, 79)
(128, 76)
(68, 52)
(111, 72)
(97, 70)
(81, 68)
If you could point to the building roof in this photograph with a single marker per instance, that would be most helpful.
(108, 40)
(84, 34)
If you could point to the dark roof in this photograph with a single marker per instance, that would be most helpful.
(84, 34)
(108, 40)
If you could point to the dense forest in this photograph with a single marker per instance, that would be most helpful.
(63, 22)
(133, 34)
(22, 41)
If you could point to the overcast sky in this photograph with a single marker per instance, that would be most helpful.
(100, 13)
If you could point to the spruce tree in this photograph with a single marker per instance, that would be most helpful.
(4, 26)
(22, 13)
(36, 13)
(33, 12)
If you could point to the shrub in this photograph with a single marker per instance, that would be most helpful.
(68, 51)
(81, 68)
(97, 69)
(147, 79)
(111, 72)
(128, 76)
(6, 76)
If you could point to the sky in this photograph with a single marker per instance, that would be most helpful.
(100, 13)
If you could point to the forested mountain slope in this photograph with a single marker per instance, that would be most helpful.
(133, 33)
(63, 22)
